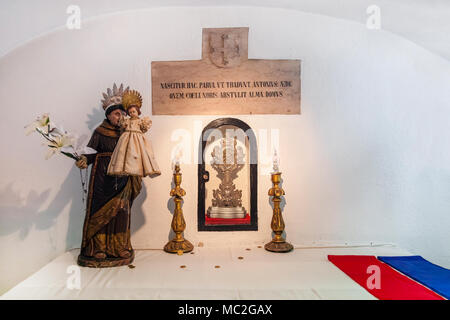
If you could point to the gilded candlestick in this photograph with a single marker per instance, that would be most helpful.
(278, 243)
(178, 223)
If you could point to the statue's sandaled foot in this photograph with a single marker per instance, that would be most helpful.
(100, 255)
(125, 254)
(101, 260)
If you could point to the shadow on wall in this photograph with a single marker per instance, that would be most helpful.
(24, 215)
(18, 215)
(93, 118)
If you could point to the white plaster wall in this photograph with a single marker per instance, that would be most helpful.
(367, 161)
(423, 22)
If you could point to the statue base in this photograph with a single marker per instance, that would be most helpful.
(226, 212)
(174, 246)
(92, 262)
(279, 246)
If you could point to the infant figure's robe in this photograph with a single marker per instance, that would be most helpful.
(133, 155)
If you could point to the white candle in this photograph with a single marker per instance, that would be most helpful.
(176, 159)
(276, 161)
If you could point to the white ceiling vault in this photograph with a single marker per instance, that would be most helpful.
(425, 22)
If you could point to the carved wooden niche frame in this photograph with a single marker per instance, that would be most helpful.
(207, 136)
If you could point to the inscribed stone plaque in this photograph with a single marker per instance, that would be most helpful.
(225, 81)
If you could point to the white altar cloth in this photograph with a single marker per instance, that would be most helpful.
(304, 273)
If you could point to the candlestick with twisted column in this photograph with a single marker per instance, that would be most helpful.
(278, 243)
(178, 223)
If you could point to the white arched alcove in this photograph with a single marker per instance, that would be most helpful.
(367, 161)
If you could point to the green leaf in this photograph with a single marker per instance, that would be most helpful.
(69, 155)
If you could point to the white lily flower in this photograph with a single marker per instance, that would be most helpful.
(57, 130)
(42, 122)
(60, 143)
(80, 146)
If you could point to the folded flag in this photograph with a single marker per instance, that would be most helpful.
(430, 275)
(381, 280)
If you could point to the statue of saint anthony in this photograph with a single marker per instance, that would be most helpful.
(106, 230)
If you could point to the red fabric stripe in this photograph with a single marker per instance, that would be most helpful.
(392, 285)
(221, 221)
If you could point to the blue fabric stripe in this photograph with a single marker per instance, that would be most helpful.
(428, 274)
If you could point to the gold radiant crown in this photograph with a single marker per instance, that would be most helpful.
(132, 98)
(114, 96)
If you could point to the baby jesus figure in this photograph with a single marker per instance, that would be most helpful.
(133, 154)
